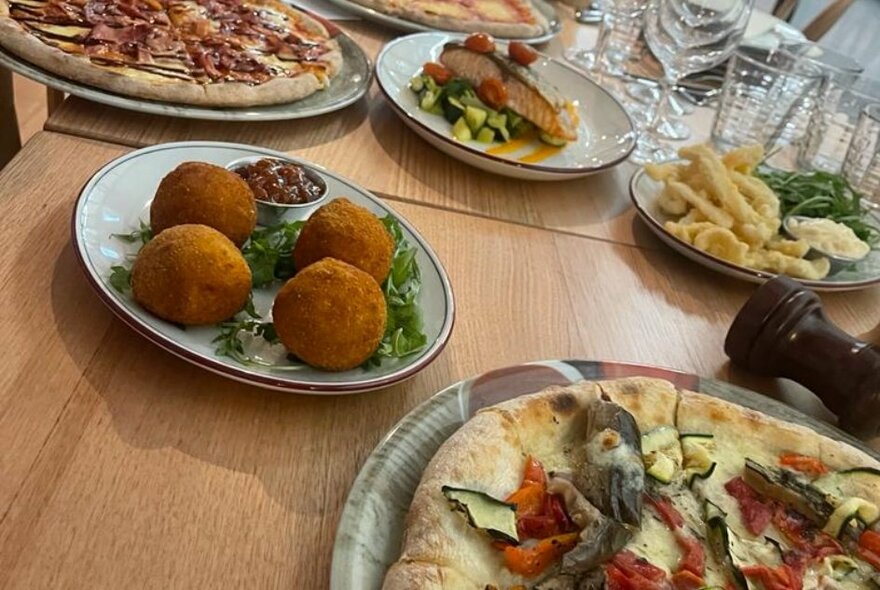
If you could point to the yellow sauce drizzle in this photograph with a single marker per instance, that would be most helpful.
(510, 146)
(539, 155)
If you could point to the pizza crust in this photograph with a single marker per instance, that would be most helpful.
(405, 10)
(143, 84)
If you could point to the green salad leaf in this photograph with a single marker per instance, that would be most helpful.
(820, 194)
(230, 343)
(143, 234)
(269, 252)
(120, 278)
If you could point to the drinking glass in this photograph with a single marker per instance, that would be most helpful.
(686, 37)
(766, 98)
(861, 167)
(588, 14)
(620, 28)
(833, 122)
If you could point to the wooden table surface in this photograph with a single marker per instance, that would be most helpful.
(124, 466)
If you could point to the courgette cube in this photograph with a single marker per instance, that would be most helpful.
(451, 111)
(429, 99)
(552, 140)
(504, 133)
(416, 84)
(475, 118)
(461, 131)
(486, 135)
(497, 121)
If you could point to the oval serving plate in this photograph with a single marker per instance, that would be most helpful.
(605, 133)
(369, 533)
(118, 197)
(345, 89)
(644, 192)
(402, 24)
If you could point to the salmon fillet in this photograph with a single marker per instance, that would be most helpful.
(527, 95)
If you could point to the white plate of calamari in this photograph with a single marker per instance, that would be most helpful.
(731, 213)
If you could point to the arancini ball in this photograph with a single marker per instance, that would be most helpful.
(331, 315)
(348, 232)
(192, 275)
(198, 192)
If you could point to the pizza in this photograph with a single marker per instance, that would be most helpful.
(634, 485)
(222, 53)
(503, 18)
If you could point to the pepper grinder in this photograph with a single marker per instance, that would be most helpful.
(782, 331)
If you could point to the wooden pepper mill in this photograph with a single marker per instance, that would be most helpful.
(782, 331)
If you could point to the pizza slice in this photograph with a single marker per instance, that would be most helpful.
(512, 19)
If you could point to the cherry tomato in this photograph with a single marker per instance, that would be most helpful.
(521, 53)
(480, 43)
(534, 471)
(438, 72)
(493, 92)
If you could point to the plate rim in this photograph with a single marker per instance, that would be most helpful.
(753, 275)
(402, 24)
(236, 373)
(187, 111)
(555, 170)
(349, 512)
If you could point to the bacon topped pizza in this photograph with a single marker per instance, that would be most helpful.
(503, 18)
(634, 485)
(203, 52)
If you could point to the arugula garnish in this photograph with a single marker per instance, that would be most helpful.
(269, 252)
(120, 278)
(143, 235)
(820, 194)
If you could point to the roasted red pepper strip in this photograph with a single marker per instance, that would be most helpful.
(693, 557)
(531, 561)
(664, 508)
(779, 578)
(685, 580)
(803, 463)
(869, 548)
(628, 571)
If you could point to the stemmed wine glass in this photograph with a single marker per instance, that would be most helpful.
(687, 36)
(620, 19)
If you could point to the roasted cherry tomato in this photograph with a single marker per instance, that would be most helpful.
(521, 53)
(493, 92)
(480, 43)
(438, 72)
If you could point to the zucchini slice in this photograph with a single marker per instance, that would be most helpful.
(852, 513)
(484, 512)
(697, 456)
(861, 482)
(552, 140)
(661, 453)
(719, 537)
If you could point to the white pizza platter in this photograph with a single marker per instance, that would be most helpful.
(645, 192)
(117, 198)
(369, 533)
(605, 132)
(346, 88)
(402, 24)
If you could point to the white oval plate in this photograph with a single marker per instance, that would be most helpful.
(605, 132)
(644, 192)
(369, 533)
(118, 196)
(402, 24)
(345, 89)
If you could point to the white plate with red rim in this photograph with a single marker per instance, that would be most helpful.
(117, 198)
(644, 193)
(605, 132)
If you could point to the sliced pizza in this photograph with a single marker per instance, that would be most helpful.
(205, 52)
(633, 485)
(512, 19)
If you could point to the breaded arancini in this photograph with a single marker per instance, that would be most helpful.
(192, 275)
(348, 232)
(198, 192)
(331, 315)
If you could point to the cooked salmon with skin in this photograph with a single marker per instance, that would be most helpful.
(527, 95)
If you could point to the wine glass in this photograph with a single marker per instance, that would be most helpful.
(687, 36)
(621, 20)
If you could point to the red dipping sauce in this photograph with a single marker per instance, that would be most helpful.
(277, 181)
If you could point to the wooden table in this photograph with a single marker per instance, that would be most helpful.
(126, 467)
